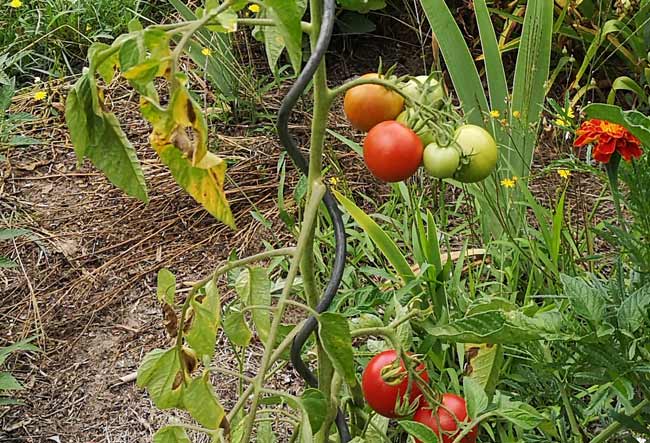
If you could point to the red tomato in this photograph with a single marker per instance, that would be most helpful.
(381, 396)
(392, 151)
(449, 426)
(366, 105)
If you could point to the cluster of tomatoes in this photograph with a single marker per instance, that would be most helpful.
(400, 140)
(391, 392)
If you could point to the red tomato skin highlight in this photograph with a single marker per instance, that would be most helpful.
(392, 152)
(381, 396)
(448, 424)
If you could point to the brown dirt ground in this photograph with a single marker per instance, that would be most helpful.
(86, 280)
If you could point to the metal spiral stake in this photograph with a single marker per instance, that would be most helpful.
(301, 162)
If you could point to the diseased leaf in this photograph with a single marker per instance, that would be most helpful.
(202, 334)
(160, 373)
(334, 332)
(202, 403)
(483, 364)
(204, 181)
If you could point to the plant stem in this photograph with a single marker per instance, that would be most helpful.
(311, 211)
(610, 430)
(575, 429)
(305, 26)
(467, 429)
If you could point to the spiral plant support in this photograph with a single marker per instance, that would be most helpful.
(301, 162)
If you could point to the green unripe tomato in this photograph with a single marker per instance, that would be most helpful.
(441, 162)
(479, 151)
(408, 119)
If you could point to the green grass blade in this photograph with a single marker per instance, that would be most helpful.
(458, 59)
(379, 237)
(496, 75)
(531, 74)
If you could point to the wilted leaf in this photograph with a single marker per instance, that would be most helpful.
(483, 363)
(170, 320)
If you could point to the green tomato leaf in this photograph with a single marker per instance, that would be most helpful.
(6, 263)
(130, 54)
(634, 309)
(419, 431)
(202, 403)
(316, 405)
(166, 288)
(521, 415)
(202, 334)
(475, 396)
(265, 432)
(9, 234)
(287, 14)
(587, 301)
(171, 434)
(334, 332)
(160, 373)
(237, 329)
(254, 288)
(7, 92)
(97, 135)
(106, 67)
(23, 345)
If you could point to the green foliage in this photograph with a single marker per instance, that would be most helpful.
(8, 383)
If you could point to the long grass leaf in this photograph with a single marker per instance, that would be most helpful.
(458, 59)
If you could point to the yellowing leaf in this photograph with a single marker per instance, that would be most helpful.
(204, 181)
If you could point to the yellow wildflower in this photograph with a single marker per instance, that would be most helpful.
(509, 182)
(16, 3)
(206, 51)
(40, 95)
(88, 28)
(495, 113)
(254, 8)
(564, 173)
(334, 181)
(516, 114)
(564, 122)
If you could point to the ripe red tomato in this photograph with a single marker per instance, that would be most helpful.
(392, 151)
(367, 105)
(382, 396)
(449, 426)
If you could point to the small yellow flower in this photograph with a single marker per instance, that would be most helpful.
(334, 181)
(509, 182)
(564, 122)
(254, 8)
(16, 4)
(495, 113)
(40, 95)
(206, 51)
(564, 173)
(88, 28)
(504, 122)
(516, 114)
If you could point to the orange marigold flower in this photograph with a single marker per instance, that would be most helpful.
(608, 138)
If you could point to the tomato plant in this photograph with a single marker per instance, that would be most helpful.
(386, 387)
(369, 104)
(392, 151)
(479, 151)
(448, 419)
